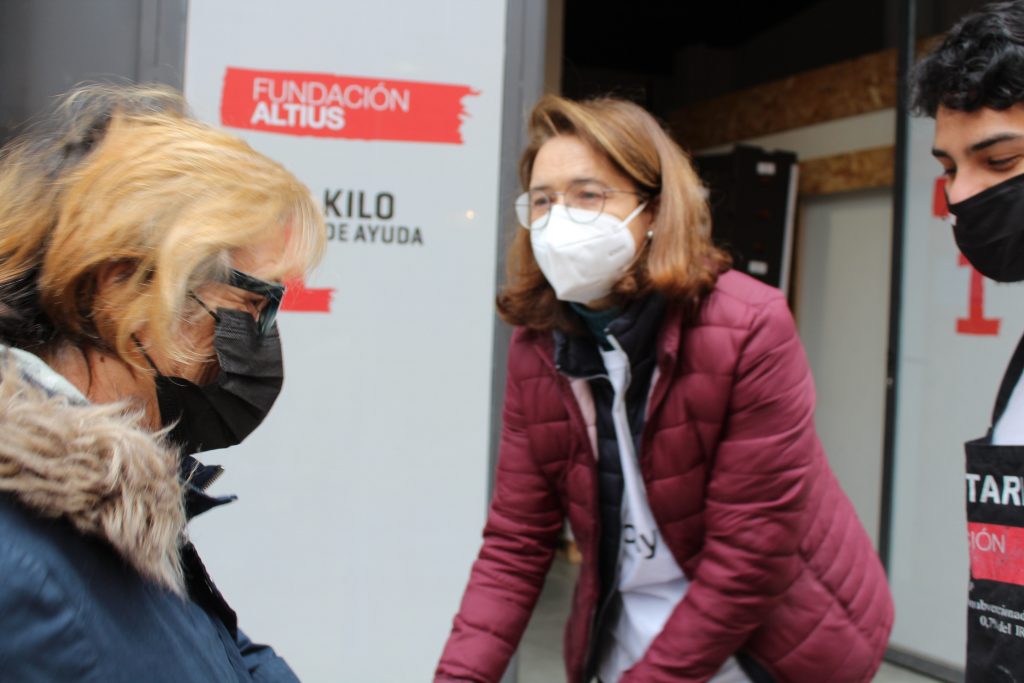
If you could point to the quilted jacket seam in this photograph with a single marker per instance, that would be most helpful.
(865, 636)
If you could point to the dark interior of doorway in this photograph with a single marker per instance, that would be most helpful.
(666, 54)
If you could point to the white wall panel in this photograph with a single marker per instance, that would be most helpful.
(363, 495)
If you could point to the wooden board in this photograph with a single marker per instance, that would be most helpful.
(861, 170)
(857, 86)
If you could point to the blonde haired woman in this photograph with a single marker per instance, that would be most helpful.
(141, 256)
(663, 404)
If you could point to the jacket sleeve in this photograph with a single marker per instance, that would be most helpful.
(264, 665)
(519, 544)
(755, 507)
(43, 639)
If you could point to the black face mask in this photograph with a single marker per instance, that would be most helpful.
(990, 230)
(221, 414)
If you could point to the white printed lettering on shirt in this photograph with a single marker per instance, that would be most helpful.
(651, 583)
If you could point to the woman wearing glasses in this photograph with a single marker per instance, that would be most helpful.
(141, 256)
(663, 405)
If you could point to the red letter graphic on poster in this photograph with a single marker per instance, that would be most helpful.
(336, 106)
(975, 322)
(298, 298)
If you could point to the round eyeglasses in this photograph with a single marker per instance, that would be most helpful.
(584, 200)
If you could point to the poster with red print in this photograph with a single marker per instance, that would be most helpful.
(374, 459)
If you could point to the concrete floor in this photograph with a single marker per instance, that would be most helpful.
(540, 653)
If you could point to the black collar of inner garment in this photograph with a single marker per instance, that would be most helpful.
(636, 331)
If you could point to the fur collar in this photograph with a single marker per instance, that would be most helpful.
(96, 466)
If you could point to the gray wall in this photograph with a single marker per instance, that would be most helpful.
(842, 311)
(47, 46)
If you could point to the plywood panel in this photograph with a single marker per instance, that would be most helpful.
(856, 86)
(863, 170)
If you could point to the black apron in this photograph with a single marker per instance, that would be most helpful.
(995, 528)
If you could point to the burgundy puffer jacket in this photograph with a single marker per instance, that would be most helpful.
(779, 565)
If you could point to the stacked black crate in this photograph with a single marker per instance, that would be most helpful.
(753, 197)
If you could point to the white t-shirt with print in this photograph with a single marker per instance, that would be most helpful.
(650, 583)
(1009, 430)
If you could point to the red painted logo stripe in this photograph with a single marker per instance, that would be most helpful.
(331, 106)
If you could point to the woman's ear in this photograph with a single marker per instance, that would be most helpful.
(113, 273)
(654, 205)
(652, 209)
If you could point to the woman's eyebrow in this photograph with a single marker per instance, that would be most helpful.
(587, 179)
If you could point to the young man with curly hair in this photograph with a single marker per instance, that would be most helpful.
(973, 85)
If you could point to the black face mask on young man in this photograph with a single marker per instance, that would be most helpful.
(989, 230)
(222, 413)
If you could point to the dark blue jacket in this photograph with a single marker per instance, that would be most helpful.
(75, 607)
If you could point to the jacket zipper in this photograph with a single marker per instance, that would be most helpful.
(603, 608)
(592, 618)
(657, 393)
(218, 472)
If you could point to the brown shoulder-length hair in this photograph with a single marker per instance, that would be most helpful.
(679, 261)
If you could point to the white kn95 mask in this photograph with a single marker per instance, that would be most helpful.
(583, 260)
